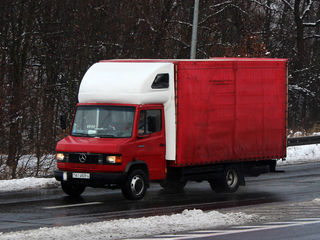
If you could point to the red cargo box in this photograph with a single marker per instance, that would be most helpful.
(230, 110)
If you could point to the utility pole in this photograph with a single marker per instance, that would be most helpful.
(193, 50)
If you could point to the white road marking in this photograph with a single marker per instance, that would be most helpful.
(208, 231)
(73, 205)
(277, 223)
(249, 227)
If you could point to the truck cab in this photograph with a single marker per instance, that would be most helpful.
(118, 138)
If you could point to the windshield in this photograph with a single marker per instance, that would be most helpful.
(103, 121)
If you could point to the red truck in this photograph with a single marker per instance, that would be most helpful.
(173, 121)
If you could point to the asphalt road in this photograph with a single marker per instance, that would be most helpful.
(284, 196)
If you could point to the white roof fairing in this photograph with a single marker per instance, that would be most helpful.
(123, 82)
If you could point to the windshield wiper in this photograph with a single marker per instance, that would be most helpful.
(80, 134)
(92, 135)
(106, 136)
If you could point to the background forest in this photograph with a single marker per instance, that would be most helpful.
(47, 45)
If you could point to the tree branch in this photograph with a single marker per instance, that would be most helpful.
(212, 15)
(307, 9)
(220, 4)
(310, 37)
(181, 22)
(178, 40)
(262, 4)
(312, 24)
(288, 4)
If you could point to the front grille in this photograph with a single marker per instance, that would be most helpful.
(86, 158)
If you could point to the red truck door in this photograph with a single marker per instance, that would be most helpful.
(151, 141)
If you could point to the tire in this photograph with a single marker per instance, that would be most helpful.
(135, 186)
(74, 190)
(229, 181)
(174, 186)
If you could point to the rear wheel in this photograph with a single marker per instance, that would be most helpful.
(135, 186)
(228, 182)
(71, 189)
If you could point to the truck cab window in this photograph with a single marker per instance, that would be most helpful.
(161, 81)
(149, 122)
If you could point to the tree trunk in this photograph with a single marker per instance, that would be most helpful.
(299, 34)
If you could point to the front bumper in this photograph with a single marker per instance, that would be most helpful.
(94, 180)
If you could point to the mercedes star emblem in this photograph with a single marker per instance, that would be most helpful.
(82, 158)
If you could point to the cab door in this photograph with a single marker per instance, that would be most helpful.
(151, 145)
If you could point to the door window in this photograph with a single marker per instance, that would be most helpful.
(149, 121)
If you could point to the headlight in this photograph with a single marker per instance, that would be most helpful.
(59, 156)
(114, 159)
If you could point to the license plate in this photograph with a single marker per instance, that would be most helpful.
(81, 175)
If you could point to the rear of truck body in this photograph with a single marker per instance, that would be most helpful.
(216, 120)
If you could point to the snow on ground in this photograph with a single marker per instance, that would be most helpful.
(302, 154)
(27, 183)
(317, 200)
(139, 227)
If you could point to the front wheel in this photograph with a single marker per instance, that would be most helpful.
(74, 190)
(229, 181)
(135, 186)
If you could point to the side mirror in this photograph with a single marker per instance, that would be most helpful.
(63, 122)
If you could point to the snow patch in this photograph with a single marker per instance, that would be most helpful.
(317, 200)
(302, 154)
(139, 227)
(27, 183)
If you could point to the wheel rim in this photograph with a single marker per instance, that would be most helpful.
(137, 185)
(232, 178)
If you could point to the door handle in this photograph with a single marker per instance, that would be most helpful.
(162, 145)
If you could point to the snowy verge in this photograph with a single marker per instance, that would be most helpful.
(29, 166)
(302, 154)
(139, 227)
(27, 183)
